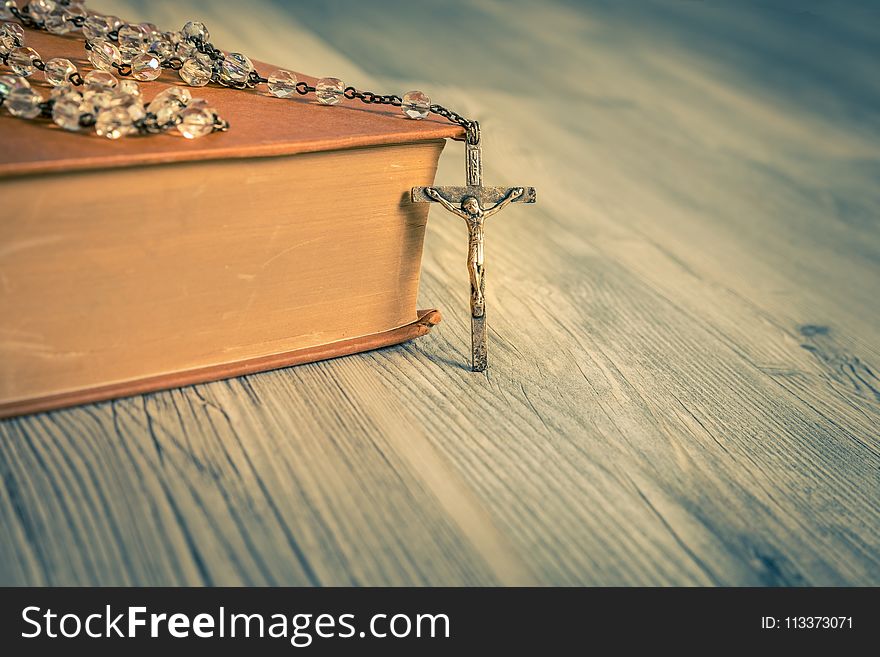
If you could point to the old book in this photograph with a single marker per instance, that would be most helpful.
(154, 262)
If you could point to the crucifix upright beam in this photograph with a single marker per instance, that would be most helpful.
(470, 203)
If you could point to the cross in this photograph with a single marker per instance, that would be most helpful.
(470, 203)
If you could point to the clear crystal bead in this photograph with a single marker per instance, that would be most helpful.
(116, 23)
(6, 9)
(196, 32)
(75, 10)
(146, 67)
(22, 61)
(104, 54)
(96, 27)
(113, 123)
(179, 95)
(10, 82)
(23, 102)
(282, 83)
(58, 70)
(132, 34)
(65, 113)
(236, 68)
(97, 80)
(184, 49)
(415, 105)
(133, 41)
(196, 122)
(97, 100)
(130, 87)
(168, 103)
(197, 71)
(162, 48)
(65, 90)
(132, 104)
(56, 21)
(39, 10)
(151, 31)
(329, 91)
(11, 36)
(129, 52)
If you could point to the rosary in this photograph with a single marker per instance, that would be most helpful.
(115, 108)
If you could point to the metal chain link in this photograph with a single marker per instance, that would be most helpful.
(175, 63)
(146, 125)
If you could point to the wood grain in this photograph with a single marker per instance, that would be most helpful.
(684, 352)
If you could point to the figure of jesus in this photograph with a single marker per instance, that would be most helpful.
(475, 215)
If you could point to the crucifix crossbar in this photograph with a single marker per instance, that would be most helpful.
(475, 203)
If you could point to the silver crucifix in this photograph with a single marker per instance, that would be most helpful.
(470, 203)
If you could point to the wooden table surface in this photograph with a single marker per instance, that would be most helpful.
(684, 360)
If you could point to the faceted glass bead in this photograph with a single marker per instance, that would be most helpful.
(10, 82)
(96, 80)
(56, 21)
(129, 34)
(415, 105)
(151, 31)
(75, 10)
(132, 104)
(6, 9)
(23, 102)
(133, 41)
(11, 36)
(40, 9)
(146, 67)
(65, 90)
(196, 122)
(65, 113)
(184, 49)
(196, 31)
(166, 115)
(179, 95)
(168, 103)
(59, 70)
(236, 68)
(104, 54)
(22, 61)
(116, 23)
(97, 100)
(282, 83)
(130, 87)
(136, 110)
(96, 27)
(113, 123)
(329, 91)
(162, 48)
(129, 52)
(196, 71)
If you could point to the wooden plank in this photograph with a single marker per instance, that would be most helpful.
(685, 345)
